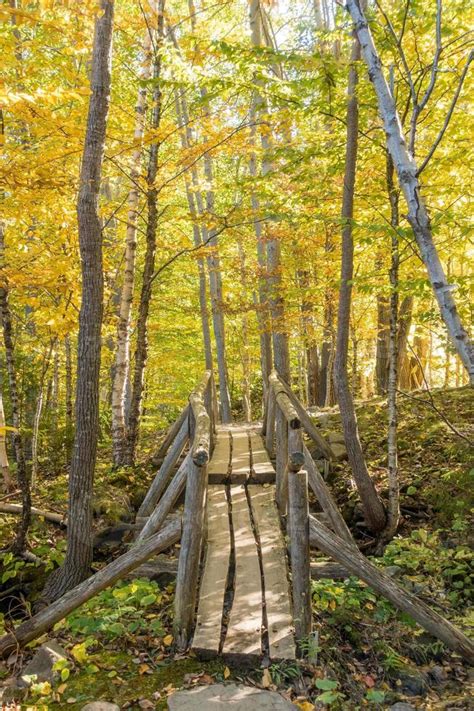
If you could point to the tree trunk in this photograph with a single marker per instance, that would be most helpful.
(192, 187)
(246, 358)
(4, 466)
(23, 479)
(273, 257)
(122, 353)
(407, 172)
(373, 508)
(383, 336)
(78, 560)
(141, 347)
(393, 508)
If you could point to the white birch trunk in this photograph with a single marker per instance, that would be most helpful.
(406, 168)
(4, 465)
(122, 354)
(274, 282)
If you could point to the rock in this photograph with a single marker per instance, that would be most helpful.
(393, 571)
(438, 675)
(401, 706)
(40, 668)
(412, 683)
(339, 451)
(100, 706)
(335, 438)
(228, 697)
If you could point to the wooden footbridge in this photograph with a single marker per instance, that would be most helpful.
(243, 581)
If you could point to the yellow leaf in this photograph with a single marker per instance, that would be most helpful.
(143, 668)
(226, 673)
(266, 679)
(167, 640)
(304, 705)
(61, 689)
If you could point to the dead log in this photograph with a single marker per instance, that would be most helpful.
(59, 519)
(190, 554)
(170, 437)
(325, 498)
(47, 618)
(202, 423)
(330, 570)
(307, 423)
(161, 479)
(283, 401)
(331, 544)
(168, 500)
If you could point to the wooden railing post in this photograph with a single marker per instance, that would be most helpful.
(270, 424)
(298, 529)
(193, 517)
(281, 452)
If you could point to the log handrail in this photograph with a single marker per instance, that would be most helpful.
(201, 446)
(283, 401)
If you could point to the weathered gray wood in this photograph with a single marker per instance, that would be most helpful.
(170, 436)
(332, 545)
(48, 617)
(270, 428)
(219, 466)
(307, 422)
(168, 500)
(201, 446)
(59, 519)
(295, 450)
(245, 622)
(261, 466)
(281, 446)
(298, 529)
(161, 479)
(189, 557)
(240, 466)
(283, 401)
(207, 635)
(325, 498)
(275, 573)
(330, 570)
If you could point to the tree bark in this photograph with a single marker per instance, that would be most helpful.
(393, 508)
(23, 478)
(78, 560)
(373, 508)
(407, 173)
(122, 353)
(281, 356)
(192, 188)
(4, 465)
(141, 347)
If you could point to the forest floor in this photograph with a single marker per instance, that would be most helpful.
(120, 646)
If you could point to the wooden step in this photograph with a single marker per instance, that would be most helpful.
(244, 632)
(207, 634)
(240, 465)
(245, 626)
(261, 468)
(275, 573)
(219, 467)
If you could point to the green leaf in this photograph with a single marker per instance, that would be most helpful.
(148, 600)
(326, 684)
(65, 674)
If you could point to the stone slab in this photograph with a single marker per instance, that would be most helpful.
(228, 697)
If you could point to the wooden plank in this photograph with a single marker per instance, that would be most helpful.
(214, 579)
(219, 466)
(262, 469)
(244, 636)
(240, 466)
(275, 573)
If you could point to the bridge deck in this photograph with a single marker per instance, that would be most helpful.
(244, 602)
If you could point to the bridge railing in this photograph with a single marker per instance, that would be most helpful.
(202, 419)
(284, 438)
